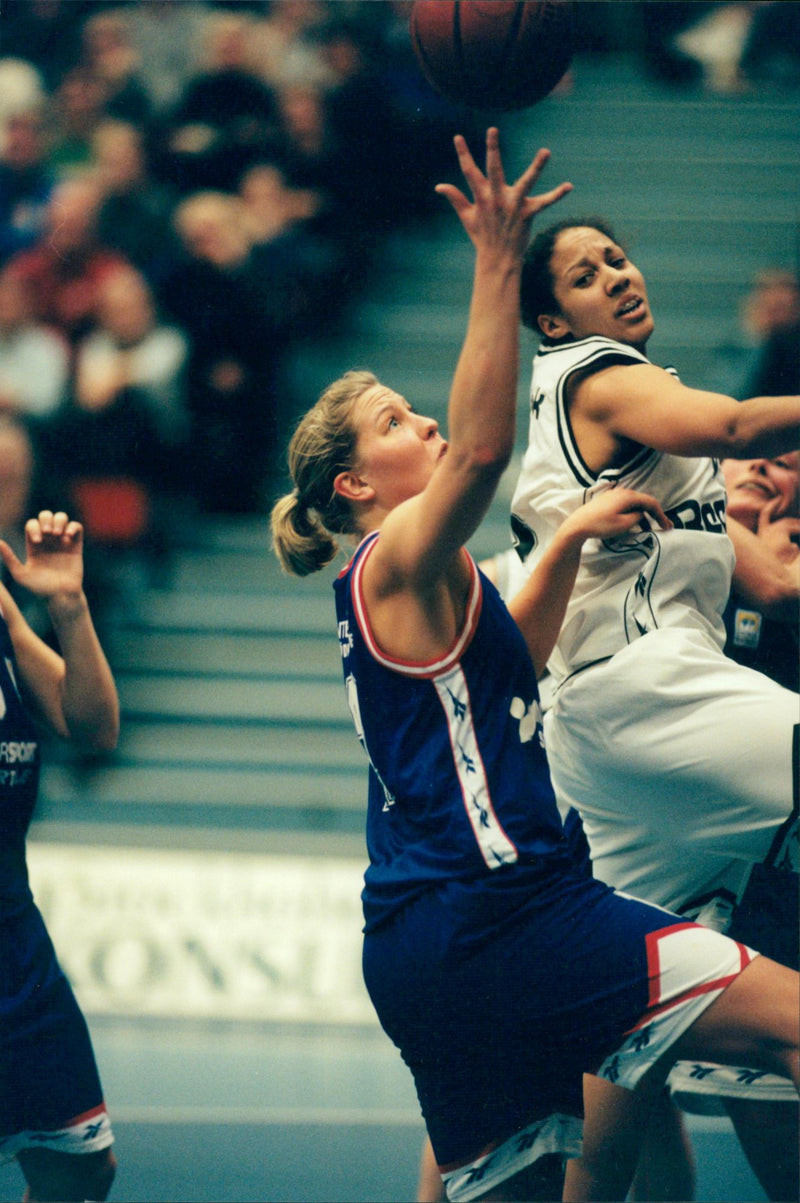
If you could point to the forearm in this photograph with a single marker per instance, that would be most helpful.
(88, 696)
(482, 410)
(765, 427)
(763, 579)
(540, 605)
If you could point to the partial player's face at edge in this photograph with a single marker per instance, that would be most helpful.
(754, 483)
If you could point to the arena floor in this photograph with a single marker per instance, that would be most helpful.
(223, 1114)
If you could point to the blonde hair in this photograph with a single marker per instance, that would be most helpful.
(305, 522)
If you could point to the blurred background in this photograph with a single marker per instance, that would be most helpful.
(207, 212)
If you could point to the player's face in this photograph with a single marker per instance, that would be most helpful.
(597, 290)
(398, 449)
(754, 483)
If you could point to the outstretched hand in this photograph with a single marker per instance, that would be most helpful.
(615, 512)
(500, 214)
(53, 555)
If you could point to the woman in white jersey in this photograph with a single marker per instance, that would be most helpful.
(679, 761)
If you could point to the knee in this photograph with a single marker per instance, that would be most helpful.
(67, 1176)
(101, 1176)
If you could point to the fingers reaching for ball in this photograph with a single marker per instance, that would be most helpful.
(504, 207)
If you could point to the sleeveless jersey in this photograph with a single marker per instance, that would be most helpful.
(459, 784)
(647, 578)
(19, 782)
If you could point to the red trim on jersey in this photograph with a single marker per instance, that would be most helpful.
(417, 668)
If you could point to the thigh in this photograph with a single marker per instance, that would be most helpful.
(755, 1021)
(49, 1074)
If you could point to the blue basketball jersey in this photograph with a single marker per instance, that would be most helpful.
(19, 781)
(459, 785)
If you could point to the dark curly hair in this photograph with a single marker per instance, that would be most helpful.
(536, 284)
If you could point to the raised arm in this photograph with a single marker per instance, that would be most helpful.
(645, 404)
(421, 535)
(74, 692)
(540, 605)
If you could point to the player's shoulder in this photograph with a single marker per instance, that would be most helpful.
(555, 360)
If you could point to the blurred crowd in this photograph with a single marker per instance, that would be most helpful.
(187, 192)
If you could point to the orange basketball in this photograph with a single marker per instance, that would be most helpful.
(492, 54)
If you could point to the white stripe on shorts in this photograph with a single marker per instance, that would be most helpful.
(555, 1134)
(87, 1133)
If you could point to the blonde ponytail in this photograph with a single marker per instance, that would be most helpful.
(299, 539)
(304, 523)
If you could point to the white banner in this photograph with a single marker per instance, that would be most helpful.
(208, 935)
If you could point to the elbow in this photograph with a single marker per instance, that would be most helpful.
(733, 442)
(105, 741)
(491, 460)
(481, 465)
(106, 734)
(98, 737)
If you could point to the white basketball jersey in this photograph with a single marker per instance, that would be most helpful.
(648, 578)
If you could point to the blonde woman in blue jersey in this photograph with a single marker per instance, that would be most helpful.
(501, 973)
(682, 763)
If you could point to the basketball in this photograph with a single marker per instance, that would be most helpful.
(492, 54)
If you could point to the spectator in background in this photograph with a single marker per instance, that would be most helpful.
(238, 321)
(771, 51)
(47, 33)
(131, 350)
(271, 206)
(66, 269)
(226, 117)
(77, 108)
(26, 181)
(314, 159)
(288, 244)
(135, 214)
(353, 138)
(284, 48)
(763, 356)
(740, 47)
(21, 88)
(363, 122)
(34, 358)
(777, 370)
(109, 54)
(167, 37)
(108, 450)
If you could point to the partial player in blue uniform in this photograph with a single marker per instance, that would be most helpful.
(501, 973)
(52, 1114)
(761, 617)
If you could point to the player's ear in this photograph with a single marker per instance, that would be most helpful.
(351, 486)
(552, 326)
